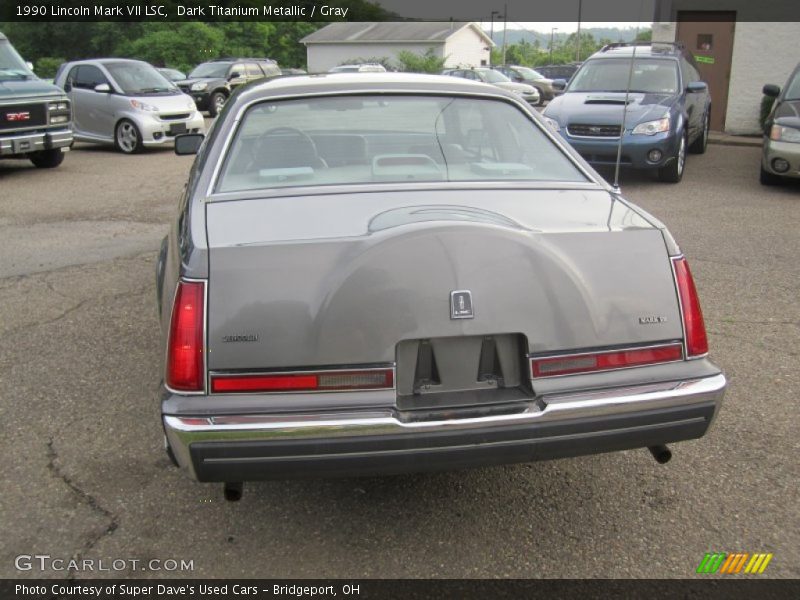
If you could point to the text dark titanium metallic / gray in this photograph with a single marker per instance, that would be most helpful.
(339, 223)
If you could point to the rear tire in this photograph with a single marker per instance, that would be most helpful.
(215, 103)
(541, 96)
(768, 178)
(701, 143)
(673, 172)
(47, 159)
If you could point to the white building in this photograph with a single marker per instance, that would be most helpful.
(460, 43)
(737, 53)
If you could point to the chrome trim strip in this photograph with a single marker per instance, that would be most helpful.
(56, 96)
(184, 431)
(228, 375)
(593, 137)
(533, 357)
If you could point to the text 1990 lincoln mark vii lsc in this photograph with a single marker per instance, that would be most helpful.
(379, 273)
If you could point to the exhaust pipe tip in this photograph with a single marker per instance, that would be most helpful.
(661, 453)
(232, 491)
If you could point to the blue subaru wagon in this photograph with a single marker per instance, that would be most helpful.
(668, 108)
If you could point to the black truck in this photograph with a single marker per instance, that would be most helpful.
(35, 116)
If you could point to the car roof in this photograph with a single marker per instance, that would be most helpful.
(231, 60)
(105, 61)
(348, 83)
(654, 50)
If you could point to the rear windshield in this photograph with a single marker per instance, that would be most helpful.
(370, 139)
(658, 76)
(214, 70)
(529, 74)
(493, 76)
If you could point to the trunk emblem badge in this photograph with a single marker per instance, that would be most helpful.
(461, 304)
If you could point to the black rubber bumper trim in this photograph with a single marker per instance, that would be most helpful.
(371, 455)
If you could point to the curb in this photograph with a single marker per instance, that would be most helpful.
(731, 140)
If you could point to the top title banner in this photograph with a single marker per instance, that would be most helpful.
(396, 10)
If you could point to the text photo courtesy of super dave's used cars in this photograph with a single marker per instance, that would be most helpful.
(372, 276)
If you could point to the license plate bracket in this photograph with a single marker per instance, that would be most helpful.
(177, 129)
(21, 146)
(455, 365)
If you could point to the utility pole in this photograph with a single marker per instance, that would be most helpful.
(554, 29)
(578, 39)
(495, 13)
(505, 22)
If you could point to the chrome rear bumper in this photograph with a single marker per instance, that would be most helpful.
(240, 447)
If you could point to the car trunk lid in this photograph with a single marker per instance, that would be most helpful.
(324, 280)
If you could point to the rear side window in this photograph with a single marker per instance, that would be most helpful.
(253, 70)
(383, 139)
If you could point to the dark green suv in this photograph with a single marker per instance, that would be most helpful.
(35, 116)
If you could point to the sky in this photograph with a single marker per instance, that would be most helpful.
(563, 27)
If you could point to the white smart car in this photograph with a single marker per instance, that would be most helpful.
(127, 103)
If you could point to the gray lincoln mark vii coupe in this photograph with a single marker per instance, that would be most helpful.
(375, 273)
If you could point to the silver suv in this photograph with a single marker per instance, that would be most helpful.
(127, 103)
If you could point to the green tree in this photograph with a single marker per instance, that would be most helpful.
(182, 46)
(47, 66)
(421, 63)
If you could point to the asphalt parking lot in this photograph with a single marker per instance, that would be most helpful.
(84, 473)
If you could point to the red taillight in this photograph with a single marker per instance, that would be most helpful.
(185, 345)
(696, 340)
(304, 382)
(604, 361)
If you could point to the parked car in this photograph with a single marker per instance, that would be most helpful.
(359, 68)
(780, 157)
(290, 72)
(530, 77)
(668, 109)
(380, 273)
(211, 83)
(35, 116)
(172, 74)
(486, 75)
(559, 71)
(126, 103)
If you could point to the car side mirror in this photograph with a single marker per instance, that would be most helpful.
(103, 88)
(234, 75)
(559, 84)
(29, 64)
(697, 86)
(188, 143)
(771, 90)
